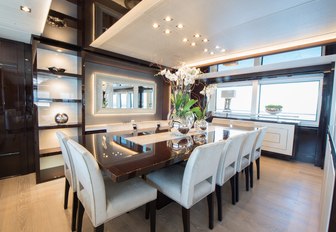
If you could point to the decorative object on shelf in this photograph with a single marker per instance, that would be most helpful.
(201, 114)
(200, 139)
(61, 118)
(56, 70)
(273, 109)
(56, 22)
(182, 82)
(131, 3)
(228, 95)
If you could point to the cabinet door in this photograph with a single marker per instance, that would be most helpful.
(13, 160)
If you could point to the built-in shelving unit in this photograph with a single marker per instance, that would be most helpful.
(58, 87)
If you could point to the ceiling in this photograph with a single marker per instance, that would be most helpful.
(241, 27)
(18, 25)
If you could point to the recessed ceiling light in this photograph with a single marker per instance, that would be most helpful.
(179, 26)
(205, 40)
(25, 9)
(168, 19)
(59, 50)
(205, 50)
(185, 40)
(223, 50)
(167, 31)
(193, 44)
(156, 25)
(217, 47)
(211, 53)
(197, 35)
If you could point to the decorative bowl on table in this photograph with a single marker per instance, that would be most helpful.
(273, 109)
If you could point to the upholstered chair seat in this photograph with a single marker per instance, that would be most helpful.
(244, 159)
(70, 177)
(103, 199)
(256, 152)
(227, 169)
(190, 184)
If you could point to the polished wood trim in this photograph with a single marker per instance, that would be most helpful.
(69, 125)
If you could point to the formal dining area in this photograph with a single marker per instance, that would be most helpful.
(167, 115)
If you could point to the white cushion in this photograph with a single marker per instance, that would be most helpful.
(127, 195)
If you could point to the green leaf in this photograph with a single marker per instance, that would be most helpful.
(197, 111)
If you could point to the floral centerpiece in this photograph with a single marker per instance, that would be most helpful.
(201, 114)
(182, 82)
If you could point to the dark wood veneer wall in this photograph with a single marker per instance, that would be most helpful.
(16, 109)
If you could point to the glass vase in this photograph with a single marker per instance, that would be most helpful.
(201, 125)
(180, 125)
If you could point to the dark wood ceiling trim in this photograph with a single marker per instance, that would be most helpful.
(297, 47)
(271, 74)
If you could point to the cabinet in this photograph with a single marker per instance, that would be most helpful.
(58, 86)
(56, 92)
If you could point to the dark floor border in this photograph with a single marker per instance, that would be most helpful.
(276, 155)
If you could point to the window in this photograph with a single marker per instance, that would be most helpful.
(240, 104)
(292, 55)
(236, 64)
(298, 99)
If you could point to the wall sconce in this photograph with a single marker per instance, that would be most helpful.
(228, 95)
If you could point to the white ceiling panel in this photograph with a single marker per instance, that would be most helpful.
(18, 25)
(236, 25)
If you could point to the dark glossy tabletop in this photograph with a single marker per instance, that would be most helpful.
(122, 159)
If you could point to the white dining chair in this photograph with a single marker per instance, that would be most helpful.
(103, 199)
(70, 177)
(221, 121)
(244, 159)
(227, 169)
(190, 184)
(120, 127)
(147, 126)
(256, 152)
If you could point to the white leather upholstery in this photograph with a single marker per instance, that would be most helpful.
(69, 170)
(103, 199)
(221, 121)
(189, 185)
(149, 126)
(244, 158)
(256, 151)
(228, 162)
(120, 127)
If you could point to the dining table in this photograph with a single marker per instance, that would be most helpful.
(124, 155)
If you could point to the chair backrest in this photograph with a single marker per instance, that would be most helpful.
(229, 157)
(149, 126)
(120, 127)
(90, 183)
(69, 170)
(258, 143)
(221, 121)
(201, 167)
(246, 149)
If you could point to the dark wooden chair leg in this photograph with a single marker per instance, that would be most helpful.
(258, 168)
(233, 189)
(211, 210)
(219, 202)
(251, 175)
(237, 187)
(99, 228)
(66, 193)
(247, 176)
(152, 211)
(186, 219)
(147, 211)
(80, 216)
(74, 211)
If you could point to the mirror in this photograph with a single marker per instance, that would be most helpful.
(123, 95)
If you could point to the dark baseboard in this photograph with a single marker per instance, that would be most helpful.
(276, 155)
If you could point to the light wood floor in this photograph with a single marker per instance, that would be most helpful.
(286, 198)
